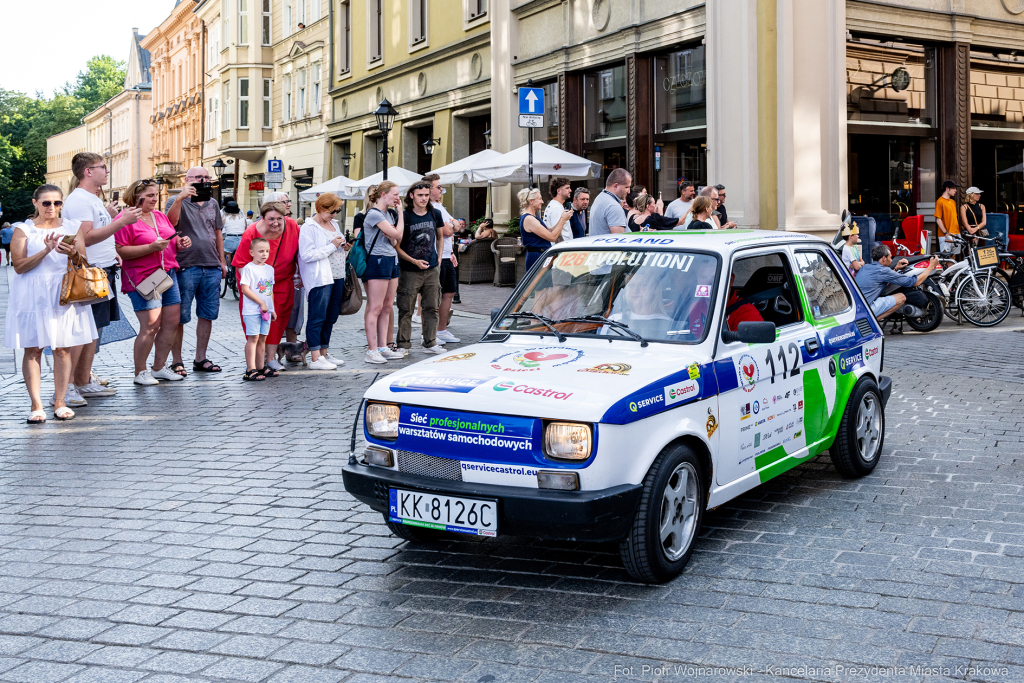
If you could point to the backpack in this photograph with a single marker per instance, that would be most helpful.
(358, 254)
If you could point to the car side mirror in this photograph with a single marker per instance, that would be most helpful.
(495, 312)
(751, 332)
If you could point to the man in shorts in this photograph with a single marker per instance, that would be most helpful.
(873, 277)
(202, 266)
(449, 278)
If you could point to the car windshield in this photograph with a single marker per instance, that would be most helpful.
(646, 295)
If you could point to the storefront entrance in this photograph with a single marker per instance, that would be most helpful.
(998, 170)
(885, 179)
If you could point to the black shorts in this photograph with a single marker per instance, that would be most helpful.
(106, 312)
(449, 279)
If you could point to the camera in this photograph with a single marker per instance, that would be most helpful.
(204, 192)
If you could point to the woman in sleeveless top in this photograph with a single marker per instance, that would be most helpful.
(972, 213)
(536, 236)
(35, 319)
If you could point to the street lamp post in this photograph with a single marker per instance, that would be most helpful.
(430, 145)
(385, 115)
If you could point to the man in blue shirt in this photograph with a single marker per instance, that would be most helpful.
(874, 276)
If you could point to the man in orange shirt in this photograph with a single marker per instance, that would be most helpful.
(945, 213)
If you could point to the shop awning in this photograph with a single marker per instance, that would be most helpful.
(547, 161)
(335, 185)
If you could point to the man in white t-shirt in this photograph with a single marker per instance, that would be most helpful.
(560, 190)
(449, 280)
(83, 204)
(681, 206)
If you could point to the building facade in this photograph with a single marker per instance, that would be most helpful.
(60, 150)
(177, 113)
(121, 130)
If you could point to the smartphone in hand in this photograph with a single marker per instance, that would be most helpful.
(68, 239)
(116, 197)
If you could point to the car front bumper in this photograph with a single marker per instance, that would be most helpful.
(885, 387)
(603, 515)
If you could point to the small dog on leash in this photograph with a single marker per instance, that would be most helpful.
(291, 350)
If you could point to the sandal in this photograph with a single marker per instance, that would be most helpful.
(179, 369)
(393, 347)
(204, 366)
(36, 414)
(253, 376)
(64, 413)
(268, 371)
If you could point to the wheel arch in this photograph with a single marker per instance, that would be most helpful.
(703, 452)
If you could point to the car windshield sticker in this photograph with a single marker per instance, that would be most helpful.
(655, 259)
(531, 360)
(703, 291)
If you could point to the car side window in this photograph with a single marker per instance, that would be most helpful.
(762, 288)
(826, 294)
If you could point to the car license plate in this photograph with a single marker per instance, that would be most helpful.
(444, 513)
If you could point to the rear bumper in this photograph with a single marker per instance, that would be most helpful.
(885, 386)
(603, 515)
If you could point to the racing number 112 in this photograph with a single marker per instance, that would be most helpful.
(782, 353)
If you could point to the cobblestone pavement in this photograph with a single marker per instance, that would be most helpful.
(200, 531)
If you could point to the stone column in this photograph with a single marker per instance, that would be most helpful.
(504, 127)
(954, 102)
(640, 128)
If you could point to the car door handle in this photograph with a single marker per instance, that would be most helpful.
(811, 345)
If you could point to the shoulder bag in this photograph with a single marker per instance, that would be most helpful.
(980, 233)
(83, 284)
(157, 283)
(352, 294)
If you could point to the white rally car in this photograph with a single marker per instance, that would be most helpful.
(630, 383)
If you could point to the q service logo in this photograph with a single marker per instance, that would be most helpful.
(455, 384)
(850, 359)
(643, 405)
(536, 359)
(749, 373)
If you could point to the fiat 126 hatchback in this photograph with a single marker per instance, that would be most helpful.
(631, 383)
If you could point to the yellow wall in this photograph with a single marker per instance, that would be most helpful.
(767, 114)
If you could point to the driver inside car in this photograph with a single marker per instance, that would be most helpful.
(641, 306)
(743, 312)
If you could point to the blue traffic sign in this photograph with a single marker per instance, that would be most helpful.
(275, 166)
(531, 100)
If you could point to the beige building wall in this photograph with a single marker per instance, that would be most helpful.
(60, 150)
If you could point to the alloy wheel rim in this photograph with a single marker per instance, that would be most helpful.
(869, 428)
(678, 522)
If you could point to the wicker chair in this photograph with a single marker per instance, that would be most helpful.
(506, 254)
(476, 263)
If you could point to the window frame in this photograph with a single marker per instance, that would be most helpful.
(784, 253)
(243, 103)
(268, 104)
(302, 12)
(243, 22)
(226, 109)
(288, 99)
(267, 28)
(375, 25)
(808, 306)
(301, 88)
(419, 16)
(345, 38)
(316, 92)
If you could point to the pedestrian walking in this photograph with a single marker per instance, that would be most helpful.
(606, 214)
(449, 261)
(322, 260)
(680, 207)
(945, 214)
(149, 247)
(234, 227)
(560, 190)
(700, 210)
(256, 284)
(83, 204)
(381, 231)
(419, 257)
(202, 266)
(536, 235)
(282, 234)
(35, 319)
(646, 217)
(6, 233)
(578, 222)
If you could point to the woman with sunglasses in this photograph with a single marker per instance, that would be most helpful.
(322, 247)
(35, 319)
(283, 235)
(148, 245)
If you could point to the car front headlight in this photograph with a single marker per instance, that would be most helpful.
(382, 420)
(567, 440)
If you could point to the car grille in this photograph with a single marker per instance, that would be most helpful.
(429, 466)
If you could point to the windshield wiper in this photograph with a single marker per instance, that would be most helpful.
(619, 326)
(546, 321)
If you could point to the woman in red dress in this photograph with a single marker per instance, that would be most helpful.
(283, 234)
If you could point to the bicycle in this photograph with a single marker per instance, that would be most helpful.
(231, 281)
(981, 296)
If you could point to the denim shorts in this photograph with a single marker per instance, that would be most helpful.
(255, 325)
(201, 283)
(381, 268)
(169, 298)
(882, 304)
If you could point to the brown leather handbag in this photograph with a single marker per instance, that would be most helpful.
(83, 284)
(352, 295)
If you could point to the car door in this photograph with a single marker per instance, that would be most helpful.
(762, 417)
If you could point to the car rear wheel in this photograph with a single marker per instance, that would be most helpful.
(668, 518)
(858, 444)
(415, 534)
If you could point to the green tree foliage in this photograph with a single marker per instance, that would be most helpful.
(26, 123)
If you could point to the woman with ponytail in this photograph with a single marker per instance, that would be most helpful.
(381, 231)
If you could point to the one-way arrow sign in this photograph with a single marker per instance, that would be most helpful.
(531, 101)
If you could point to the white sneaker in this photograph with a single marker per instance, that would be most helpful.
(322, 363)
(96, 379)
(167, 374)
(438, 339)
(337, 362)
(145, 378)
(274, 365)
(92, 390)
(448, 336)
(391, 355)
(417, 319)
(375, 357)
(73, 398)
(436, 349)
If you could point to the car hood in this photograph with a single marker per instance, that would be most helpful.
(592, 380)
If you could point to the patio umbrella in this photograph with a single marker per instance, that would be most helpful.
(335, 185)
(459, 173)
(396, 174)
(547, 161)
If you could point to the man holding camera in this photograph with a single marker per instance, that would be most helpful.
(195, 214)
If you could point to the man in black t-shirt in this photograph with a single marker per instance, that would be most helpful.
(418, 259)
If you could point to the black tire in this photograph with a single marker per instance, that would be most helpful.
(644, 552)
(932, 317)
(988, 312)
(861, 435)
(415, 534)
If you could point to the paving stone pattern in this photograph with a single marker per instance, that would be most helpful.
(200, 531)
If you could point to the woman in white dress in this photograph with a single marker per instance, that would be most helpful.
(35, 318)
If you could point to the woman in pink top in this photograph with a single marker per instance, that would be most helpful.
(144, 247)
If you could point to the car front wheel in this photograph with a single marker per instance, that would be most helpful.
(668, 518)
(858, 444)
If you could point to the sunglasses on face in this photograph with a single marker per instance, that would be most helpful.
(47, 204)
(335, 212)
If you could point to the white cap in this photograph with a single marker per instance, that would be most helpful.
(973, 190)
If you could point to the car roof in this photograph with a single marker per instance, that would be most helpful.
(721, 241)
